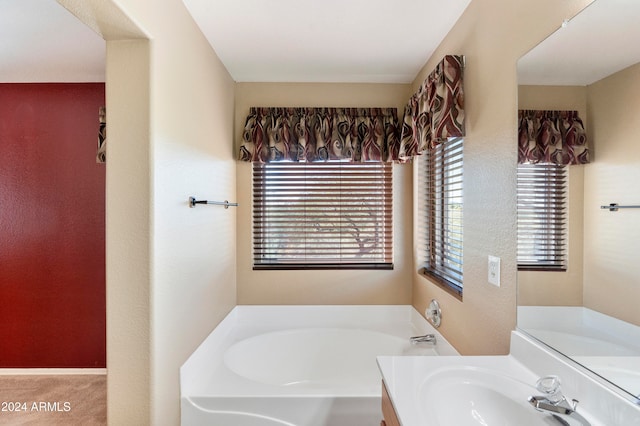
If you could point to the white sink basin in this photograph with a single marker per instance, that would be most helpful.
(476, 396)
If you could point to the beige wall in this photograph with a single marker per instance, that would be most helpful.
(323, 287)
(558, 288)
(612, 239)
(194, 250)
(128, 231)
(492, 34)
(170, 269)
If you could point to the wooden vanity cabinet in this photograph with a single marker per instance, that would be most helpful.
(388, 413)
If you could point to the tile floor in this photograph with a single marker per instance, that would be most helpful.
(67, 400)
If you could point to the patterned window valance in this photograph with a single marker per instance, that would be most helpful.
(320, 134)
(554, 137)
(436, 112)
(101, 154)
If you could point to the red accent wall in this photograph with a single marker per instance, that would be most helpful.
(52, 226)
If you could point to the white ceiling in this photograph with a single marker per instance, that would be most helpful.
(599, 41)
(319, 41)
(377, 41)
(40, 41)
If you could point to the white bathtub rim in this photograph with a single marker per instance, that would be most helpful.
(583, 323)
(298, 410)
(290, 357)
(238, 416)
(204, 373)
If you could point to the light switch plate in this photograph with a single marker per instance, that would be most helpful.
(494, 270)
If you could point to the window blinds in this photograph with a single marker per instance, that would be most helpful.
(541, 216)
(322, 215)
(440, 212)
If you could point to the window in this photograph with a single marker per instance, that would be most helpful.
(542, 217)
(334, 215)
(440, 213)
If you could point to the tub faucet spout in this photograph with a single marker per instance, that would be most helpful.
(427, 338)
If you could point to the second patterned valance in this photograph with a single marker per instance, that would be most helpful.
(320, 134)
(554, 137)
(436, 112)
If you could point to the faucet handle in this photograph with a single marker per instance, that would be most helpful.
(550, 387)
(574, 404)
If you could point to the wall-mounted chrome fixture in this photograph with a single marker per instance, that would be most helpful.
(433, 313)
(427, 338)
(613, 207)
(225, 203)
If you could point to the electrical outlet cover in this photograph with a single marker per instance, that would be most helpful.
(494, 270)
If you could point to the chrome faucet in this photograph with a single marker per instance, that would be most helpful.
(554, 402)
(427, 338)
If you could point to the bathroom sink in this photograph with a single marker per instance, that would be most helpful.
(475, 396)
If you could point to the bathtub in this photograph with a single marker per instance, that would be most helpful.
(580, 331)
(298, 365)
(605, 345)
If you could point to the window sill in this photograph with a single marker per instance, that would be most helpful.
(447, 286)
(541, 269)
(323, 266)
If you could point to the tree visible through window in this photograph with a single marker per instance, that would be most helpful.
(331, 215)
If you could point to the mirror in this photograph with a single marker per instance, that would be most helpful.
(591, 311)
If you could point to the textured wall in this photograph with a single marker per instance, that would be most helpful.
(170, 269)
(492, 34)
(52, 226)
(612, 240)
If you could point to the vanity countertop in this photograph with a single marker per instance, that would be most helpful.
(465, 390)
(405, 376)
(446, 390)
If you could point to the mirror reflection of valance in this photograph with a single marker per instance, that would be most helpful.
(320, 134)
(554, 137)
(436, 112)
(101, 154)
